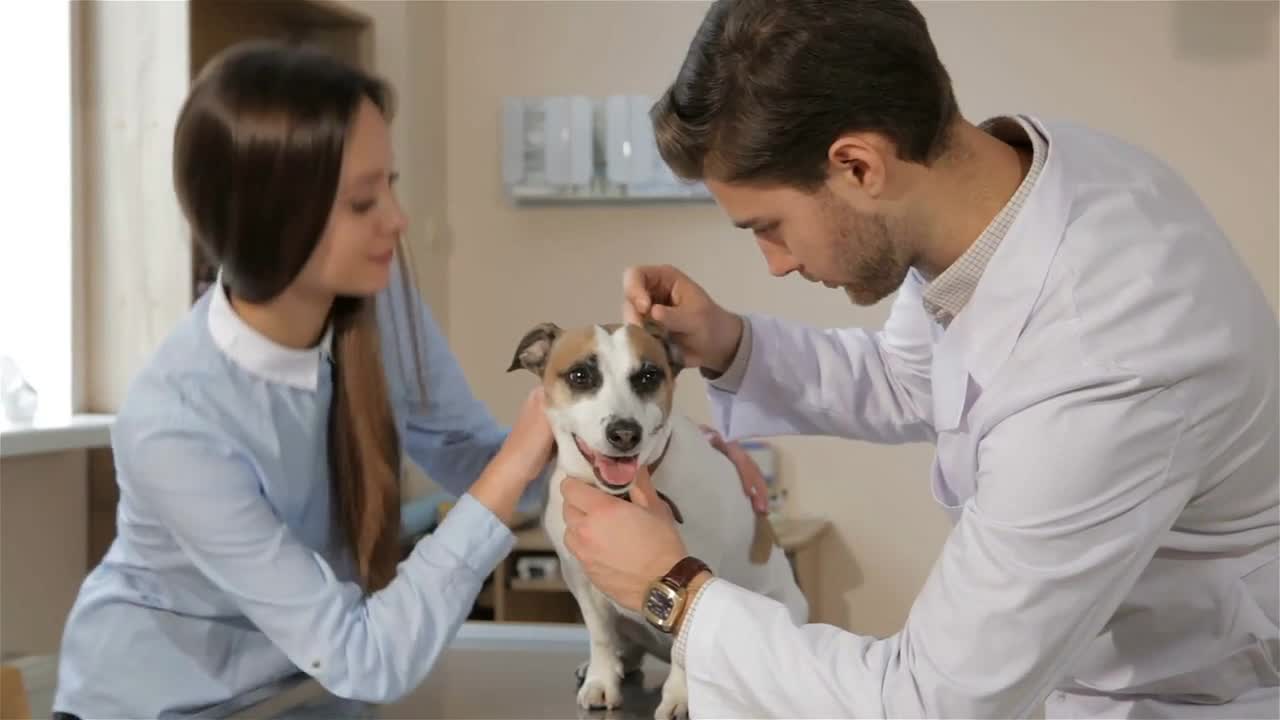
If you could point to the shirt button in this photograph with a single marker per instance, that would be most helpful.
(315, 664)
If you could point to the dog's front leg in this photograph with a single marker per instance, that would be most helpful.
(602, 686)
(675, 696)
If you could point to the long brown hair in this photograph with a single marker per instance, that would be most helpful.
(257, 158)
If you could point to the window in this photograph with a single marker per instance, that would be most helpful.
(36, 245)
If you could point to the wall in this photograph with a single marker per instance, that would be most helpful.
(43, 538)
(1195, 84)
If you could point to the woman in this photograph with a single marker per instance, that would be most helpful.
(258, 452)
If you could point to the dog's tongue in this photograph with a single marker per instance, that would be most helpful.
(616, 472)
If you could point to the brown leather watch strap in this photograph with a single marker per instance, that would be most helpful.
(683, 572)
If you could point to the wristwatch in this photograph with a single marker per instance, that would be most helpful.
(667, 596)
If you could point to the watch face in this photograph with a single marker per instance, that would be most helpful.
(660, 603)
(662, 606)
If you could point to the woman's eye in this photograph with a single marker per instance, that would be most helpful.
(362, 206)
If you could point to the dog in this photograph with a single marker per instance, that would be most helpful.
(609, 391)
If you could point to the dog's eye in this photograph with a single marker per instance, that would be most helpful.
(581, 377)
(646, 380)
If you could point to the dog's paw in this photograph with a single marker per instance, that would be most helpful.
(675, 697)
(600, 691)
(674, 706)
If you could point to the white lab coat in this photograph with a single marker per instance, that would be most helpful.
(1104, 412)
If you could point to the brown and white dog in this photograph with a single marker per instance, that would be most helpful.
(609, 400)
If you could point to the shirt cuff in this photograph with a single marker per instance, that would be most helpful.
(474, 535)
(731, 379)
(682, 638)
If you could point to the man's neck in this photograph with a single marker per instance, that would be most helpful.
(290, 319)
(969, 188)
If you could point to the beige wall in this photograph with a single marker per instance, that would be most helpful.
(43, 543)
(1196, 85)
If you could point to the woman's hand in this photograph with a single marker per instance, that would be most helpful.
(623, 546)
(523, 456)
(753, 484)
(530, 444)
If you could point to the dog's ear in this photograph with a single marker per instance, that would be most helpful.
(675, 356)
(531, 353)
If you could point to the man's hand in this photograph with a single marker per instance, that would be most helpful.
(623, 546)
(707, 333)
(753, 484)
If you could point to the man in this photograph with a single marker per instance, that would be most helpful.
(1072, 331)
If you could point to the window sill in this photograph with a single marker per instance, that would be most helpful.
(51, 435)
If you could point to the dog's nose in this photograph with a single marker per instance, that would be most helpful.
(623, 435)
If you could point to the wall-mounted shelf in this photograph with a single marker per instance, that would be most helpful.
(577, 150)
(526, 195)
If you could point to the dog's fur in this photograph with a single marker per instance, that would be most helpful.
(598, 375)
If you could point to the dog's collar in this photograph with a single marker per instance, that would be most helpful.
(675, 511)
(653, 467)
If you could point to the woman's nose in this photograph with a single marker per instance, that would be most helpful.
(395, 222)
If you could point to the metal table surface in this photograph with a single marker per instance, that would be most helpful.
(491, 671)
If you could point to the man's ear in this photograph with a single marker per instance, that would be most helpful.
(675, 356)
(531, 353)
(857, 160)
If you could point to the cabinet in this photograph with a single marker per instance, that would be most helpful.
(507, 597)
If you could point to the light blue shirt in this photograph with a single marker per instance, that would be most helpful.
(227, 574)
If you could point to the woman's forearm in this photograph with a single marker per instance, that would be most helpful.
(500, 487)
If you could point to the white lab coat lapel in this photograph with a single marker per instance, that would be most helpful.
(982, 336)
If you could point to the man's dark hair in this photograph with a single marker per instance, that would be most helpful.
(768, 85)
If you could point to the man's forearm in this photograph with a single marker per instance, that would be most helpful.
(799, 380)
(735, 369)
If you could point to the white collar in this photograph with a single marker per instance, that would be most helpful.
(260, 355)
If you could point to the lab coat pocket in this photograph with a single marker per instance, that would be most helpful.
(954, 470)
(955, 463)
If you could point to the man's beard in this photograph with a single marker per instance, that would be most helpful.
(873, 266)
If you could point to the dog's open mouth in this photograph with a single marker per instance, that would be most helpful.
(615, 472)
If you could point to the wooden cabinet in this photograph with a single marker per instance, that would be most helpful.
(507, 597)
